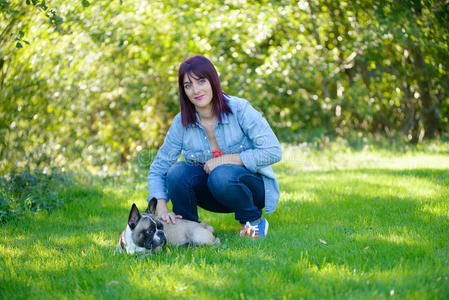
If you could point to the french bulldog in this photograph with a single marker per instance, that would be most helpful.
(145, 232)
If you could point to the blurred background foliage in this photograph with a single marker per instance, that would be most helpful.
(94, 83)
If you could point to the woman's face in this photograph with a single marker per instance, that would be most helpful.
(198, 90)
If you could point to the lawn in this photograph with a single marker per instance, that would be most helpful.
(351, 224)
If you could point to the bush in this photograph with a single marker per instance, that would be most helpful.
(32, 192)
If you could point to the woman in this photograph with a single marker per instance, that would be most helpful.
(228, 149)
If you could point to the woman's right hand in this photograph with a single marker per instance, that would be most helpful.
(164, 214)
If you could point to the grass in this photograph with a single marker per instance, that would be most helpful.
(365, 224)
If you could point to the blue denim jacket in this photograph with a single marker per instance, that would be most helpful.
(244, 131)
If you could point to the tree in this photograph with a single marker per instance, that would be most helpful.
(100, 87)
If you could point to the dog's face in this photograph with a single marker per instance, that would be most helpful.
(146, 229)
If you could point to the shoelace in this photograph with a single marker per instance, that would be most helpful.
(251, 231)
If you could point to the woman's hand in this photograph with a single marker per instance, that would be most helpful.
(164, 214)
(212, 163)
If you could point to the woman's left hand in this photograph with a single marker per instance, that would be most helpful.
(221, 160)
(212, 164)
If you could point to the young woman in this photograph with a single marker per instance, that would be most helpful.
(228, 149)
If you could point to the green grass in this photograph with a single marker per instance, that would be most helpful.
(368, 224)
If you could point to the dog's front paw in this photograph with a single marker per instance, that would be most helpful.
(217, 241)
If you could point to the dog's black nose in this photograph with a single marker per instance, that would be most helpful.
(162, 237)
(159, 240)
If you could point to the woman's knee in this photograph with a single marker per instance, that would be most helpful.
(182, 172)
(222, 177)
(177, 172)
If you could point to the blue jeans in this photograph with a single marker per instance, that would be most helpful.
(228, 188)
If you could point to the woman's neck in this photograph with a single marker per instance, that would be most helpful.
(206, 114)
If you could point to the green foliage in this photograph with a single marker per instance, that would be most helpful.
(97, 83)
(32, 191)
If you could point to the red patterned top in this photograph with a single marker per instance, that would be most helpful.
(216, 153)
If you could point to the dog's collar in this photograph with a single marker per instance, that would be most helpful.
(122, 240)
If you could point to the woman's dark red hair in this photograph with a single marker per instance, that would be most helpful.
(200, 67)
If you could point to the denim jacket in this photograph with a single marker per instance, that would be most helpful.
(244, 131)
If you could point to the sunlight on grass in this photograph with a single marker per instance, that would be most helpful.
(403, 239)
(340, 156)
(438, 209)
(187, 278)
(100, 239)
(356, 225)
(299, 196)
(10, 251)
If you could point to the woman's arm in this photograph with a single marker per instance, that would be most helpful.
(164, 214)
(224, 159)
(266, 148)
(166, 156)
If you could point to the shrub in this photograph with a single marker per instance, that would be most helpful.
(32, 192)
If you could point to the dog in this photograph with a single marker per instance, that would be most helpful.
(145, 232)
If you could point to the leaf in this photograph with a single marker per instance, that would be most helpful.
(322, 241)
(19, 45)
(86, 3)
(43, 6)
(3, 4)
(113, 282)
(58, 20)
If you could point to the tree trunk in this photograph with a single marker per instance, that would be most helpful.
(410, 128)
(318, 41)
(430, 115)
(325, 79)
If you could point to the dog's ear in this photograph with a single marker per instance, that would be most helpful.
(134, 216)
(151, 209)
